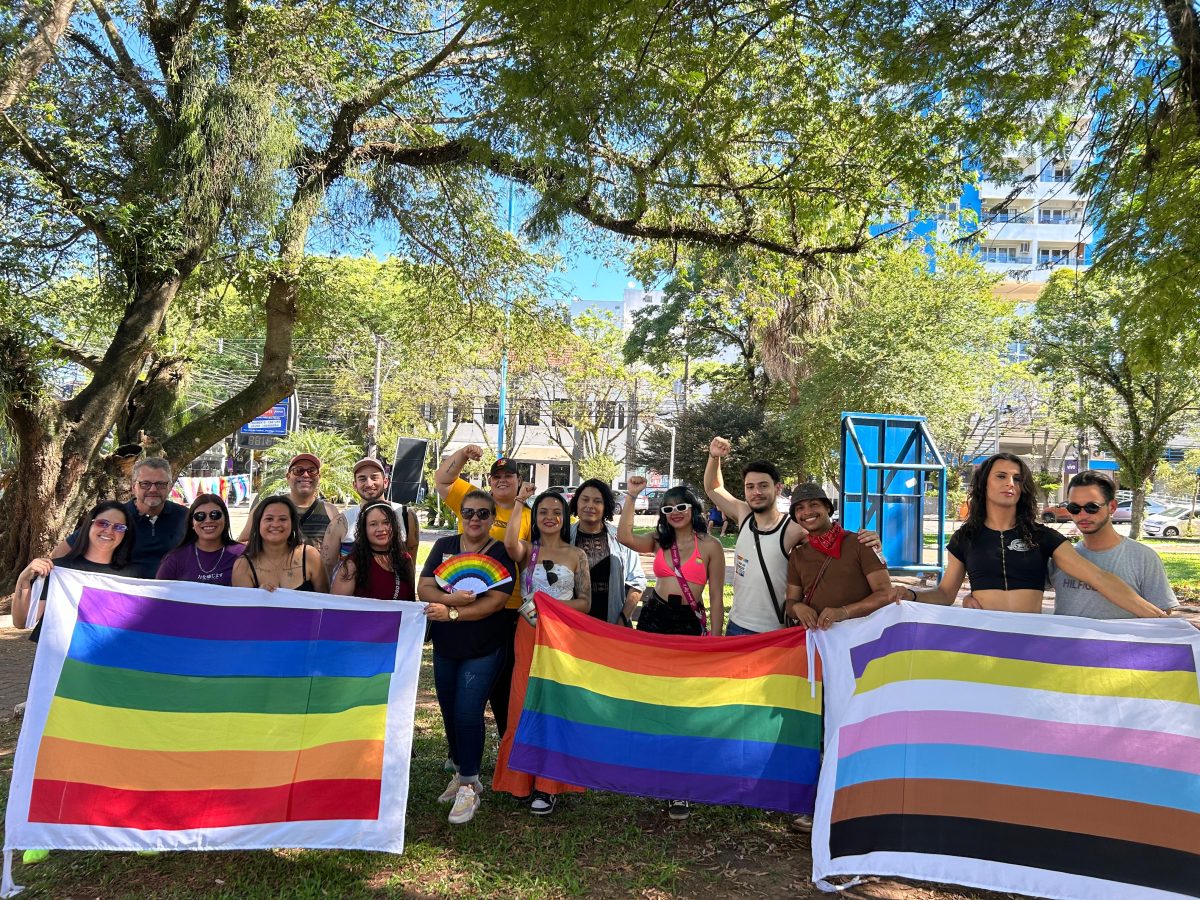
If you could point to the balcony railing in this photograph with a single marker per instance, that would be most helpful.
(1046, 219)
(1004, 218)
(1008, 260)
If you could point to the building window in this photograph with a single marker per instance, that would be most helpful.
(530, 411)
(1050, 257)
(998, 255)
(1018, 352)
(562, 414)
(463, 411)
(1058, 172)
(491, 411)
(560, 474)
(1058, 217)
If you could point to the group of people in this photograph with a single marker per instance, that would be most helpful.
(794, 568)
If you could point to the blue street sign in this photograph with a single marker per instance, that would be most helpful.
(273, 421)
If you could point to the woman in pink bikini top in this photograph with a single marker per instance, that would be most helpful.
(682, 547)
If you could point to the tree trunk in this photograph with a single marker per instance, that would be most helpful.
(152, 401)
(1137, 512)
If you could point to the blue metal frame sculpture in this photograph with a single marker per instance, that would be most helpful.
(886, 463)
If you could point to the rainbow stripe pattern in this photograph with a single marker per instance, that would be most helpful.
(1051, 756)
(729, 721)
(171, 715)
(471, 568)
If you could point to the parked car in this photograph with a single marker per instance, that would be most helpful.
(1172, 522)
(1055, 512)
(1125, 510)
(641, 505)
(653, 500)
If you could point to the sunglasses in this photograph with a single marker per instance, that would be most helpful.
(104, 525)
(213, 514)
(1090, 508)
(161, 485)
(304, 471)
(481, 514)
(678, 507)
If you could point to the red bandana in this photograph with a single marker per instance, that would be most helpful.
(829, 543)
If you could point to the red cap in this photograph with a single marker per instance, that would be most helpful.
(305, 457)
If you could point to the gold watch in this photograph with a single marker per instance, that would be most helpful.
(452, 612)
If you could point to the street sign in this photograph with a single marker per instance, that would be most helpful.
(273, 422)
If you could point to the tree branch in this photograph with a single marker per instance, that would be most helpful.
(129, 70)
(29, 60)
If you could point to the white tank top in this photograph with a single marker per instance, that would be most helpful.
(752, 607)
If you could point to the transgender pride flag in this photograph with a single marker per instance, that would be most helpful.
(174, 716)
(1045, 755)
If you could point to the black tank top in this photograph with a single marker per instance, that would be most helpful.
(305, 585)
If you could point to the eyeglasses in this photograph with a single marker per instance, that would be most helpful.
(678, 507)
(304, 471)
(1090, 508)
(104, 525)
(481, 514)
(161, 485)
(213, 514)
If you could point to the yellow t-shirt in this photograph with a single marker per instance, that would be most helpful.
(454, 500)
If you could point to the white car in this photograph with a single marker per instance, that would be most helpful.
(1172, 522)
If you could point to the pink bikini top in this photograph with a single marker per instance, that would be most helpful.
(693, 567)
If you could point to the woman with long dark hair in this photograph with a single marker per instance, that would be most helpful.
(276, 555)
(1006, 552)
(208, 551)
(550, 564)
(686, 560)
(104, 545)
(378, 566)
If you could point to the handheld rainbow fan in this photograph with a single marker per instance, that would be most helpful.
(476, 572)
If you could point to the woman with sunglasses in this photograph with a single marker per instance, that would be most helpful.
(276, 556)
(208, 551)
(686, 559)
(470, 634)
(104, 545)
(551, 564)
(378, 566)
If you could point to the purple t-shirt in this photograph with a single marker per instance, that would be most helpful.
(190, 563)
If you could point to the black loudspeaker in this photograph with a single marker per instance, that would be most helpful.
(408, 467)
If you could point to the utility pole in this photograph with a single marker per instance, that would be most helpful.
(373, 418)
(504, 352)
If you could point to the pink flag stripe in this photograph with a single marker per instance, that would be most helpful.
(1128, 745)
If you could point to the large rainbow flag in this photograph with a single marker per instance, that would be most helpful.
(713, 720)
(1045, 755)
(174, 716)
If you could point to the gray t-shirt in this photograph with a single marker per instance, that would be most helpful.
(1135, 564)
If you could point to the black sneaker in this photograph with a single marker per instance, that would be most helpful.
(679, 810)
(542, 804)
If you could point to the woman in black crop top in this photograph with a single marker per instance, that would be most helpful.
(1005, 552)
(276, 555)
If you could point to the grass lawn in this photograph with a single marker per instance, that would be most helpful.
(595, 845)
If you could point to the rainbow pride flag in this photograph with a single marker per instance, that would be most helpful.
(178, 716)
(712, 720)
(1045, 755)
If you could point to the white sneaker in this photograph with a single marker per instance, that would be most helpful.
(451, 791)
(466, 801)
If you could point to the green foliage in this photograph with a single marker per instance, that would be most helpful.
(753, 433)
(1181, 479)
(906, 341)
(599, 465)
(337, 456)
(1083, 345)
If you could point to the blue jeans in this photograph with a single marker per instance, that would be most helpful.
(733, 629)
(462, 687)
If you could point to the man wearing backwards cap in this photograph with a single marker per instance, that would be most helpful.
(504, 480)
(831, 578)
(304, 482)
(371, 484)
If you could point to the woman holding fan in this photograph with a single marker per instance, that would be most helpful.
(466, 582)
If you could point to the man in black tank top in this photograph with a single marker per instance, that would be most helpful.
(304, 482)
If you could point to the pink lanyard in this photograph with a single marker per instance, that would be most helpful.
(527, 578)
(686, 589)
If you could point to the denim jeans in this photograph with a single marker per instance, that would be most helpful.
(462, 687)
(732, 629)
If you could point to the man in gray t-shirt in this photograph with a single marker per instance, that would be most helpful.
(1091, 501)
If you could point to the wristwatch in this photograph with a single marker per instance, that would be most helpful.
(453, 613)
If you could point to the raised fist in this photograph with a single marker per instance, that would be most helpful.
(473, 452)
(528, 489)
(636, 484)
(719, 447)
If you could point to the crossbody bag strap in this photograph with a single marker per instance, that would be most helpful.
(686, 589)
(780, 610)
(816, 581)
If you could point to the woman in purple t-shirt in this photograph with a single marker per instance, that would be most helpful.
(208, 551)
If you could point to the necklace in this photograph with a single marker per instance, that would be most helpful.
(199, 566)
(1003, 561)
